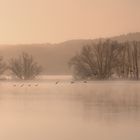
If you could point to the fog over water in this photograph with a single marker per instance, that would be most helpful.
(89, 39)
(108, 110)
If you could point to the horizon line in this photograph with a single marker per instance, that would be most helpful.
(50, 43)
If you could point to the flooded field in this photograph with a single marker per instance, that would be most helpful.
(47, 110)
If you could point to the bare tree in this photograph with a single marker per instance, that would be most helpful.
(135, 57)
(96, 61)
(3, 66)
(83, 64)
(129, 60)
(105, 58)
(24, 67)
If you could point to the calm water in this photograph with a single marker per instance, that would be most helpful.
(64, 111)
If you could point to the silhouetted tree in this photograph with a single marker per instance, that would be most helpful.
(96, 61)
(3, 66)
(129, 60)
(24, 67)
(105, 58)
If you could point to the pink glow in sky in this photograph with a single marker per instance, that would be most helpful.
(40, 21)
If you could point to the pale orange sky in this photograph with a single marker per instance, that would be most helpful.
(40, 21)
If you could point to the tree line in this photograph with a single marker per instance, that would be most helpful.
(23, 67)
(107, 59)
(101, 60)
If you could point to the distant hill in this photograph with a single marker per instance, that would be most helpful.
(55, 57)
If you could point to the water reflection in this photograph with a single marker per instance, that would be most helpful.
(70, 111)
(110, 102)
(108, 105)
(93, 100)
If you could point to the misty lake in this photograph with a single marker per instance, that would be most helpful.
(44, 110)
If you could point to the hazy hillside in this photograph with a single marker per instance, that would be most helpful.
(54, 57)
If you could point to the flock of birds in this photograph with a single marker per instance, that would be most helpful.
(36, 85)
(72, 82)
(29, 85)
